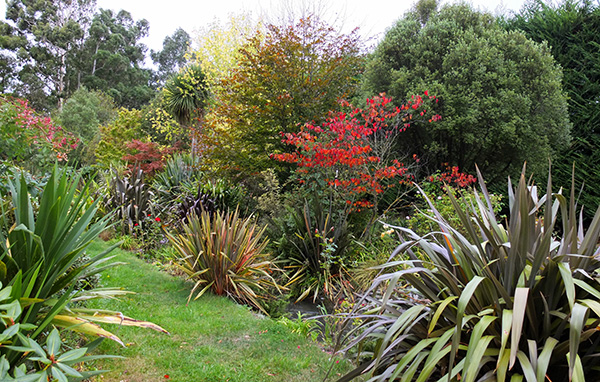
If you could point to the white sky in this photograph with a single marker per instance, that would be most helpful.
(373, 17)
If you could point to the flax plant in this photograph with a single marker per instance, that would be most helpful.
(225, 253)
(508, 300)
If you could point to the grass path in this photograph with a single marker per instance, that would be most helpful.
(212, 338)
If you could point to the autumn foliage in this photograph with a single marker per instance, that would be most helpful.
(351, 150)
(23, 129)
(285, 76)
(149, 156)
(453, 177)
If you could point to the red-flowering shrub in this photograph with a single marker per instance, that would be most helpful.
(351, 150)
(453, 177)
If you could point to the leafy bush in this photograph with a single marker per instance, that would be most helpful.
(503, 301)
(125, 128)
(225, 253)
(501, 94)
(27, 137)
(148, 156)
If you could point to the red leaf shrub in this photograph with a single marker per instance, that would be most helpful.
(149, 156)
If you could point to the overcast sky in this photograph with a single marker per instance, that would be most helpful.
(373, 17)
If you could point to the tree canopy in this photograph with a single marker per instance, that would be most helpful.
(286, 76)
(172, 56)
(50, 48)
(501, 98)
(571, 30)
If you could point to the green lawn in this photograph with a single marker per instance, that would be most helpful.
(211, 339)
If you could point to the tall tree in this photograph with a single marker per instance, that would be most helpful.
(112, 58)
(43, 34)
(172, 56)
(500, 94)
(571, 30)
(219, 45)
(286, 76)
(50, 48)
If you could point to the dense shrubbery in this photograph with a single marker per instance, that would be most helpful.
(268, 186)
(500, 93)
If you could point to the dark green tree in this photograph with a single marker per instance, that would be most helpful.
(112, 58)
(41, 36)
(172, 56)
(500, 94)
(571, 30)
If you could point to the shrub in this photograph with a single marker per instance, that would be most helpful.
(225, 253)
(503, 301)
(500, 93)
(26, 136)
(148, 156)
(126, 127)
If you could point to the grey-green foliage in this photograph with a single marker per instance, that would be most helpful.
(571, 30)
(85, 111)
(52, 47)
(112, 58)
(82, 115)
(500, 93)
(42, 37)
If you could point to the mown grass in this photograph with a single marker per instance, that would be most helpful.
(211, 339)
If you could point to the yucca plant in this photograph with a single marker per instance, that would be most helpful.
(42, 255)
(225, 254)
(515, 300)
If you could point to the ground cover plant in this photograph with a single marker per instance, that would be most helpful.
(212, 338)
(505, 301)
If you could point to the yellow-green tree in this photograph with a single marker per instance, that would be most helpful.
(219, 47)
(285, 76)
(111, 147)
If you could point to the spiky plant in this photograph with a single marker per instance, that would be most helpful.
(42, 257)
(317, 259)
(514, 300)
(186, 94)
(131, 200)
(225, 253)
